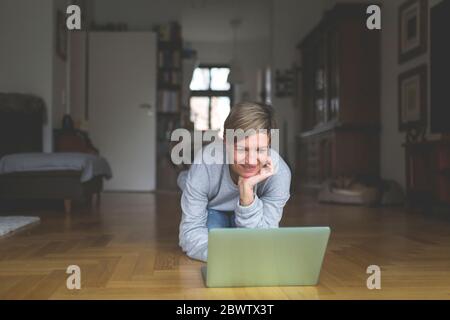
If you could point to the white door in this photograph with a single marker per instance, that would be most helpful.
(122, 119)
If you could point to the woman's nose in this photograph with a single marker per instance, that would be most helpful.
(251, 158)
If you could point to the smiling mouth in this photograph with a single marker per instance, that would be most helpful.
(249, 168)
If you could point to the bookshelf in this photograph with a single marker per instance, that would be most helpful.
(170, 49)
(169, 95)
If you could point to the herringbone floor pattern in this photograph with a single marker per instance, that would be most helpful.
(127, 249)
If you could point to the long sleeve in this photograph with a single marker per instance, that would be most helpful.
(266, 211)
(193, 233)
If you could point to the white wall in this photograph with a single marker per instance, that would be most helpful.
(392, 152)
(77, 75)
(292, 21)
(26, 59)
(60, 70)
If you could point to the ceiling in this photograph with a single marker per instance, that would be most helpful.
(202, 20)
(209, 20)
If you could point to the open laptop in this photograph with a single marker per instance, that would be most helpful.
(239, 257)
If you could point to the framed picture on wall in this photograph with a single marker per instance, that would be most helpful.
(412, 98)
(61, 35)
(413, 29)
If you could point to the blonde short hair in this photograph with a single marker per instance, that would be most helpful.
(251, 115)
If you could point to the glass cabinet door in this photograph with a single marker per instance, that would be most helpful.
(333, 79)
(320, 80)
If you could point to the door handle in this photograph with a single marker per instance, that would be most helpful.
(148, 107)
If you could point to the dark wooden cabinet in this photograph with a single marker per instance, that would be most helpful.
(340, 103)
(428, 172)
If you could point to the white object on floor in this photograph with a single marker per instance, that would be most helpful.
(10, 224)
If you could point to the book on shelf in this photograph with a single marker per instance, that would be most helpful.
(161, 59)
(176, 59)
(168, 101)
(169, 59)
(176, 78)
(169, 78)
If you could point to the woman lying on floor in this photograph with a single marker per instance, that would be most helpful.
(248, 189)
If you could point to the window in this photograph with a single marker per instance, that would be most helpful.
(211, 97)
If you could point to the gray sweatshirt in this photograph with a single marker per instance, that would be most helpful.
(209, 186)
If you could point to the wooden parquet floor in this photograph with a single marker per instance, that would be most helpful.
(128, 249)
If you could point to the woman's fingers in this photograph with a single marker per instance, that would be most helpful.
(266, 171)
(268, 167)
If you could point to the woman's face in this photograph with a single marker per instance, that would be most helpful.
(250, 155)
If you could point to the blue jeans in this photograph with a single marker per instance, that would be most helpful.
(220, 219)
